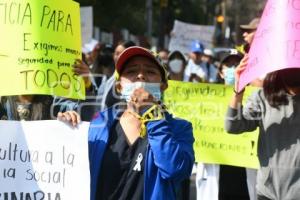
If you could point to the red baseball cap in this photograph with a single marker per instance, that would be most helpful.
(139, 51)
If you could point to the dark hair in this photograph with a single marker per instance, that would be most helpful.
(103, 59)
(174, 54)
(129, 43)
(126, 44)
(276, 83)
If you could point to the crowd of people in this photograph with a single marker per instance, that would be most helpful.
(145, 152)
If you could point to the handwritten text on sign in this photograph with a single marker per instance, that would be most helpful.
(205, 105)
(183, 34)
(40, 41)
(276, 44)
(43, 160)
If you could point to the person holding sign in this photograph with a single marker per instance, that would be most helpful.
(249, 31)
(275, 109)
(137, 149)
(25, 107)
(232, 179)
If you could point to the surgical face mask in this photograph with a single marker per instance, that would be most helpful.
(229, 75)
(152, 88)
(165, 61)
(176, 65)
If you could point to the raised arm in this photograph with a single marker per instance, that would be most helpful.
(241, 119)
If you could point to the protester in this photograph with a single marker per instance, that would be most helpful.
(139, 147)
(212, 71)
(90, 51)
(195, 69)
(103, 67)
(121, 46)
(228, 64)
(275, 110)
(106, 94)
(227, 69)
(176, 66)
(163, 55)
(232, 179)
(249, 31)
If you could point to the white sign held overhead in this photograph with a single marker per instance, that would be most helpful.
(43, 160)
(107, 38)
(183, 34)
(86, 16)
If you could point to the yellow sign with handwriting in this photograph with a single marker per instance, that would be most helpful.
(205, 106)
(40, 41)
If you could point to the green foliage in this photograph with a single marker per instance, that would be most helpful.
(113, 15)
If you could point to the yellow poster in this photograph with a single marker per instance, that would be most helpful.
(40, 41)
(205, 105)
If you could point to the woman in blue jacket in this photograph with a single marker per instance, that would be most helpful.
(137, 149)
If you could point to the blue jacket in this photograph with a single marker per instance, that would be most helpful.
(169, 156)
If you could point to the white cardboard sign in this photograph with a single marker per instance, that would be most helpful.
(43, 160)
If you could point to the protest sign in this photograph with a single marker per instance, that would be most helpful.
(86, 16)
(43, 160)
(205, 106)
(276, 42)
(183, 34)
(40, 41)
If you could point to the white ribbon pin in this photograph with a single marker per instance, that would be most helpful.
(137, 166)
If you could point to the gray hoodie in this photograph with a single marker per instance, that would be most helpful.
(278, 143)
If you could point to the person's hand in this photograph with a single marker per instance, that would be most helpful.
(70, 117)
(80, 68)
(239, 70)
(140, 100)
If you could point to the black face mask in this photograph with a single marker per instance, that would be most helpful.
(290, 77)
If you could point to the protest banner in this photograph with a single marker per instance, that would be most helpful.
(43, 160)
(183, 34)
(276, 42)
(205, 106)
(40, 41)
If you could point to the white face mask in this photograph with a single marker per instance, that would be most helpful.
(175, 65)
(229, 75)
(152, 88)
